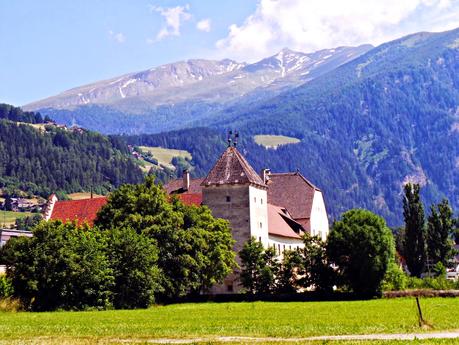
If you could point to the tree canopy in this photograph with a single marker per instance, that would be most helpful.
(361, 246)
(194, 248)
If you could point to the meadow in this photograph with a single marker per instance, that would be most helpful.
(274, 141)
(165, 156)
(8, 218)
(256, 319)
(82, 195)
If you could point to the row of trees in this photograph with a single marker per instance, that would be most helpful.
(427, 244)
(355, 257)
(16, 114)
(144, 246)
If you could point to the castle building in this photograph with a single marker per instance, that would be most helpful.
(275, 209)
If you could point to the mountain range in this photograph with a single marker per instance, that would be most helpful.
(369, 119)
(176, 95)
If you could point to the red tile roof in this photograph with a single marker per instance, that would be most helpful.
(232, 168)
(176, 186)
(294, 192)
(281, 224)
(83, 211)
(191, 198)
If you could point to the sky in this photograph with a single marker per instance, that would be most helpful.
(49, 46)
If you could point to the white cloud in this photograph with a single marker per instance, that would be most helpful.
(308, 25)
(203, 25)
(118, 37)
(174, 16)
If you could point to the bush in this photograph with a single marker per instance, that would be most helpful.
(6, 288)
(10, 304)
(395, 279)
(436, 283)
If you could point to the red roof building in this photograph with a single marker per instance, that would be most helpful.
(188, 190)
(82, 211)
(303, 200)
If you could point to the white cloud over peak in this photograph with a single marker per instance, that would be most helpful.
(204, 25)
(174, 17)
(118, 37)
(309, 25)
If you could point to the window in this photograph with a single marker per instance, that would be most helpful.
(228, 198)
(259, 239)
(255, 199)
(278, 247)
(261, 225)
(261, 201)
(229, 287)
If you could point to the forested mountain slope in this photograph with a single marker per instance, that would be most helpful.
(386, 118)
(45, 159)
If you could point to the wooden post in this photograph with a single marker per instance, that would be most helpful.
(421, 319)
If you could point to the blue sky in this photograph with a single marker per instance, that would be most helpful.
(49, 46)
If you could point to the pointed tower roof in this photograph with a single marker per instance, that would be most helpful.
(232, 168)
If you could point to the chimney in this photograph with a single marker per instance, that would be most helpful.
(265, 175)
(186, 179)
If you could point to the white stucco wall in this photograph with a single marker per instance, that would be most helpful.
(284, 243)
(259, 214)
(319, 220)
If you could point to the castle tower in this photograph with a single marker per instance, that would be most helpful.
(235, 192)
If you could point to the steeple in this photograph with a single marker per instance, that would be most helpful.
(232, 168)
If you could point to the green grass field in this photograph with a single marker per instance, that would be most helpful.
(164, 156)
(259, 319)
(274, 141)
(8, 218)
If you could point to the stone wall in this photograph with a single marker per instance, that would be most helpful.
(230, 202)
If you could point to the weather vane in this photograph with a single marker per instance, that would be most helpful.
(232, 138)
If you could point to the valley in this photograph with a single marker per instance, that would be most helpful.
(364, 120)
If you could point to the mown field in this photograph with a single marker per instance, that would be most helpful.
(8, 218)
(83, 195)
(274, 141)
(210, 320)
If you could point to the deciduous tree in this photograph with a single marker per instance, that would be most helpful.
(194, 248)
(361, 246)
